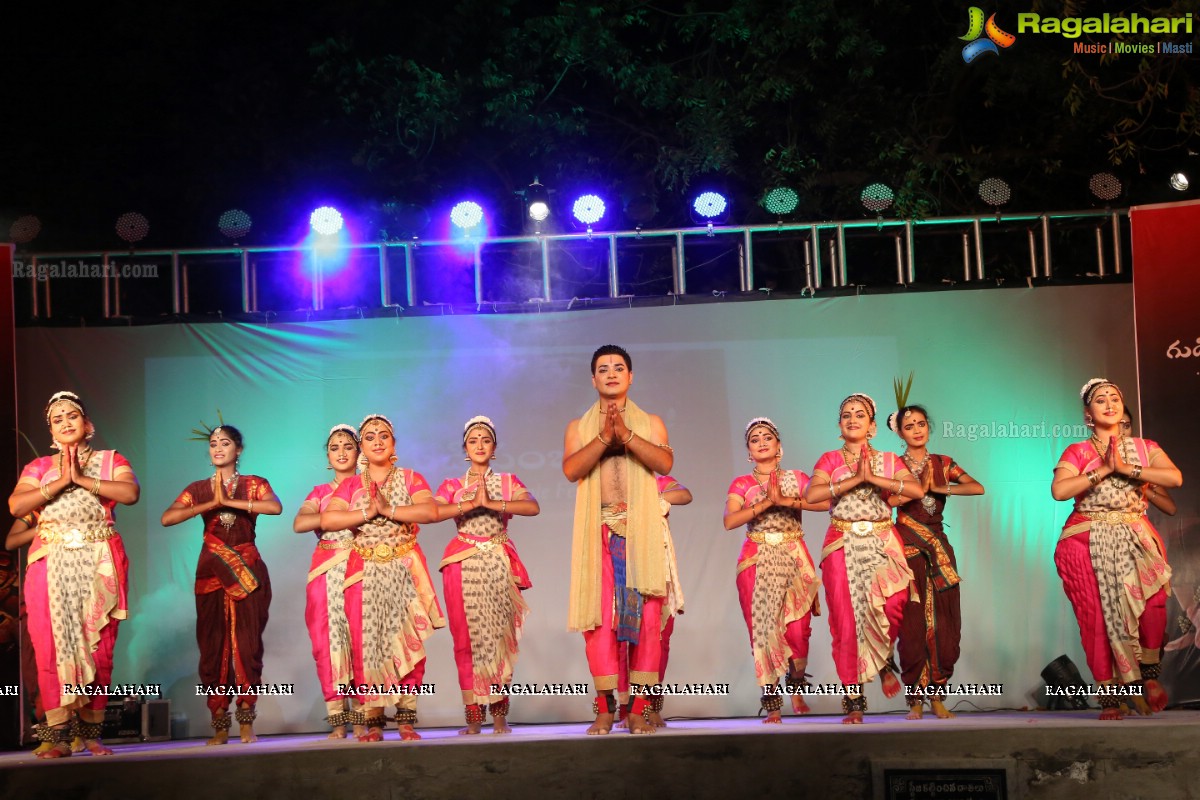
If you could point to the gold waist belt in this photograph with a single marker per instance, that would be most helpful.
(1112, 517)
(774, 537)
(74, 538)
(384, 551)
(334, 544)
(486, 544)
(861, 527)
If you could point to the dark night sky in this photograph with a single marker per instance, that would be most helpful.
(178, 113)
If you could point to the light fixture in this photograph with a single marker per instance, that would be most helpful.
(710, 208)
(1179, 181)
(537, 201)
(995, 192)
(877, 197)
(234, 224)
(781, 201)
(25, 229)
(587, 210)
(466, 216)
(132, 227)
(1105, 186)
(326, 221)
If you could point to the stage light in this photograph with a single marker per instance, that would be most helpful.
(1062, 675)
(326, 221)
(995, 192)
(234, 224)
(781, 200)
(640, 209)
(466, 215)
(710, 207)
(25, 229)
(132, 227)
(588, 209)
(1105, 186)
(877, 197)
(537, 201)
(1179, 182)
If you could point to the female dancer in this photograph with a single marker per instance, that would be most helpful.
(929, 633)
(862, 563)
(233, 588)
(1110, 558)
(76, 581)
(390, 604)
(776, 580)
(325, 607)
(483, 576)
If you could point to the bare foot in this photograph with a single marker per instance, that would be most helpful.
(97, 748)
(621, 722)
(657, 720)
(915, 711)
(77, 745)
(500, 725)
(471, 729)
(408, 734)
(373, 734)
(1155, 695)
(639, 725)
(338, 732)
(58, 750)
(246, 732)
(42, 748)
(773, 718)
(359, 731)
(1112, 713)
(798, 704)
(1141, 706)
(218, 737)
(891, 684)
(602, 725)
(939, 709)
(853, 718)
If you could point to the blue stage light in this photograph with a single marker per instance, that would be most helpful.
(710, 206)
(588, 209)
(326, 221)
(466, 215)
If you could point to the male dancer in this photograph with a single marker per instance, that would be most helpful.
(618, 571)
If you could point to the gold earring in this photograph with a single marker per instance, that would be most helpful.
(466, 458)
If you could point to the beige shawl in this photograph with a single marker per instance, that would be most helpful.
(645, 566)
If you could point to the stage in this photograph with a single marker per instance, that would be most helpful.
(1057, 755)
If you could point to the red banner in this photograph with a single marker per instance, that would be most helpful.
(1166, 292)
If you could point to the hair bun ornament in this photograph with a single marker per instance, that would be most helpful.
(478, 420)
(893, 422)
(70, 397)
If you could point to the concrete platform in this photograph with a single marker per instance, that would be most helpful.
(1060, 755)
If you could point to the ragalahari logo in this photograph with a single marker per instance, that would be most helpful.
(995, 40)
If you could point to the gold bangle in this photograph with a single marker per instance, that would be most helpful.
(45, 492)
(630, 439)
(503, 507)
(460, 511)
(96, 487)
(249, 506)
(833, 489)
(392, 513)
(365, 517)
(600, 436)
(1136, 472)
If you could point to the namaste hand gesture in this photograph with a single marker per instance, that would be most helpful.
(619, 429)
(864, 464)
(1113, 461)
(774, 493)
(379, 504)
(68, 465)
(927, 482)
(219, 489)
